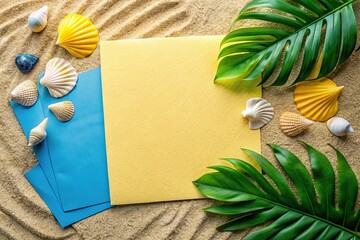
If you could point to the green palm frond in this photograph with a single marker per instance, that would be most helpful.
(253, 200)
(248, 53)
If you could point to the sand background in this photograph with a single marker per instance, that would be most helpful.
(23, 215)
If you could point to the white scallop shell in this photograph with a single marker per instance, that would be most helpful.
(259, 112)
(38, 19)
(25, 93)
(38, 133)
(339, 126)
(63, 111)
(60, 77)
(293, 124)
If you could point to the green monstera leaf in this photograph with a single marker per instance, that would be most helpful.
(310, 212)
(301, 25)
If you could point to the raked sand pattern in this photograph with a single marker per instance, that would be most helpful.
(23, 215)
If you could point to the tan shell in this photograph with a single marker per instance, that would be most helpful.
(293, 124)
(63, 111)
(60, 77)
(38, 133)
(339, 126)
(25, 93)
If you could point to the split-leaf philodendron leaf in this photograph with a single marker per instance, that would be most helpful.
(250, 53)
(253, 200)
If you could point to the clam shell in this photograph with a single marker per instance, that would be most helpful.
(63, 111)
(77, 35)
(293, 124)
(259, 112)
(339, 126)
(38, 133)
(25, 93)
(38, 19)
(60, 77)
(317, 100)
(26, 62)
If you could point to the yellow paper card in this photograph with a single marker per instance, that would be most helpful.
(165, 119)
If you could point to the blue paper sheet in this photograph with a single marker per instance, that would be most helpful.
(40, 183)
(73, 151)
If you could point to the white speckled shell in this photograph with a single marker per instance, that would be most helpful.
(38, 133)
(259, 112)
(60, 77)
(63, 111)
(293, 124)
(339, 126)
(25, 93)
(38, 19)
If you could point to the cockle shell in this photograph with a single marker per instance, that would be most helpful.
(38, 133)
(259, 112)
(317, 100)
(25, 93)
(77, 35)
(60, 77)
(339, 126)
(63, 111)
(38, 19)
(26, 62)
(293, 124)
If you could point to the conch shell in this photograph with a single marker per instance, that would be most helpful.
(339, 126)
(38, 133)
(259, 112)
(60, 77)
(25, 93)
(38, 19)
(293, 124)
(317, 100)
(77, 35)
(63, 111)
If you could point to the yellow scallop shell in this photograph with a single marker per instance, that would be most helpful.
(317, 100)
(77, 35)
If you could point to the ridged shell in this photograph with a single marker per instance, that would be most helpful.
(26, 62)
(77, 35)
(259, 112)
(60, 77)
(293, 124)
(339, 126)
(317, 100)
(38, 133)
(25, 93)
(63, 111)
(38, 19)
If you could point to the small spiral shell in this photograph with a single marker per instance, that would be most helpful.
(38, 133)
(25, 93)
(38, 19)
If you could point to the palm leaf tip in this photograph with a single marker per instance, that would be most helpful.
(252, 199)
(250, 53)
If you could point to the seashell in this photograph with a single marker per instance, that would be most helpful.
(38, 19)
(317, 100)
(26, 62)
(63, 111)
(339, 126)
(77, 35)
(293, 124)
(25, 93)
(259, 112)
(38, 133)
(60, 77)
